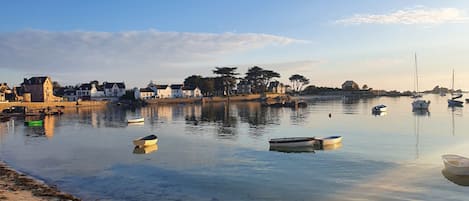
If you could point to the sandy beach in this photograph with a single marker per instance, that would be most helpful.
(17, 186)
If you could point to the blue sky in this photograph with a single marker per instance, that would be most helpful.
(371, 42)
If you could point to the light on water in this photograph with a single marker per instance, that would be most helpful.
(221, 152)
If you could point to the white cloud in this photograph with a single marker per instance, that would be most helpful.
(418, 15)
(139, 55)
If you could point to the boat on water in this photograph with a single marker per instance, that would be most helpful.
(145, 149)
(146, 141)
(455, 164)
(380, 108)
(418, 103)
(137, 120)
(453, 102)
(35, 123)
(467, 100)
(292, 142)
(329, 140)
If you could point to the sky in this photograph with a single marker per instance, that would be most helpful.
(328, 41)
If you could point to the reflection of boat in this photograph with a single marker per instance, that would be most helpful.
(329, 140)
(418, 104)
(138, 120)
(34, 123)
(456, 164)
(380, 108)
(457, 179)
(145, 149)
(292, 142)
(146, 141)
(137, 124)
(418, 112)
(301, 149)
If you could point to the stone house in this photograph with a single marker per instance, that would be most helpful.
(191, 92)
(38, 89)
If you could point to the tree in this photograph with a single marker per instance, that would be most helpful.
(298, 82)
(365, 87)
(260, 78)
(193, 81)
(227, 75)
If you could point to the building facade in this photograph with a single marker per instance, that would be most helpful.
(39, 89)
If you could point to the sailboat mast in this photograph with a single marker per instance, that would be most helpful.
(416, 74)
(452, 83)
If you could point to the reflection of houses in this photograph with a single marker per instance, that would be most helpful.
(244, 87)
(38, 89)
(350, 85)
(276, 87)
(49, 124)
(143, 93)
(191, 92)
(176, 91)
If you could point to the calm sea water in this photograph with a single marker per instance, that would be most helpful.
(221, 152)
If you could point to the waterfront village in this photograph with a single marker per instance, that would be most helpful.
(258, 84)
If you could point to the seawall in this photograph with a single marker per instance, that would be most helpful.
(41, 105)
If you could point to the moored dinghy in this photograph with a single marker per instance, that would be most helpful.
(138, 120)
(292, 142)
(456, 164)
(329, 140)
(380, 108)
(146, 141)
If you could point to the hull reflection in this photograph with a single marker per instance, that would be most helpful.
(456, 179)
(146, 149)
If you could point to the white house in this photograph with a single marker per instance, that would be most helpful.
(96, 92)
(114, 89)
(143, 93)
(163, 91)
(83, 92)
(191, 92)
(176, 91)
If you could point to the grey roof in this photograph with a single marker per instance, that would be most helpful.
(35, 80)
(146, 90)
(161, 86)
(188, 88)
(85, 87)
(108, 85)
(176, 86)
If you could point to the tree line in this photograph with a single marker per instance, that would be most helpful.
(226, 79)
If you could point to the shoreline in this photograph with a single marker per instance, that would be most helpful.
(15, 185)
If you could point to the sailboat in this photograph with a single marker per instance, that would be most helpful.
(418, 104)
(453, 102)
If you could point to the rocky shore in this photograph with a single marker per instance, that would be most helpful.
(17, 186)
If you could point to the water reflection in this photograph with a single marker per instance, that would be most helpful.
(304, 149)
(145, 149)
(421, 112)
(461, 180)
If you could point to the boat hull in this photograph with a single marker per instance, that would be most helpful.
(146, 141)
(456, 165)
(420, 105)
(292, 142)
(136, 120)
(329, 140)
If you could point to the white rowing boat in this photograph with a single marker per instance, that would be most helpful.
(456, 164)
(329, 140)
(138, 120)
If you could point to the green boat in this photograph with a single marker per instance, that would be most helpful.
(35, 123)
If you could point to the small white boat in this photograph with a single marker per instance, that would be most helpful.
(462, 180)
(329, 140)
(138, 120)
(380, 108)
(456, 164)
(292, 142)
(146, 141)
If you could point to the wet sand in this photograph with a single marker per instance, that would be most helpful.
(17, 186)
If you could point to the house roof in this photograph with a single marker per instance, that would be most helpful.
(35, 80)
(176, 86)
(161, 86)
(188, 88)
(85, 87)
(108, 85)
(146, 90)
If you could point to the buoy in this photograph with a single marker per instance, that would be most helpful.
(330, 115)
